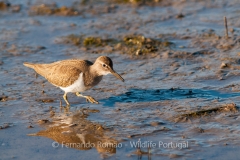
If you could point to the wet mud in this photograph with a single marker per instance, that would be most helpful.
(180, 98)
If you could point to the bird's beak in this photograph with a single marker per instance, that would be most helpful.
(116, 74)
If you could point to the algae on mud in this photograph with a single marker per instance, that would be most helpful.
(143, 2)
(129, 44)
(4, 5)
(3, 98)
(207, 112)
(93, 41)
(53, 9)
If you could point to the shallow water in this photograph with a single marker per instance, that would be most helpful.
(140, 95)
(187, 93)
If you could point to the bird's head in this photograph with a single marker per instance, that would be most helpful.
(104, 66)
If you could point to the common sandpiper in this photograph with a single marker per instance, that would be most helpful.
(75, 75)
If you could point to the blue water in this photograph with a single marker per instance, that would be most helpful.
(150, 95)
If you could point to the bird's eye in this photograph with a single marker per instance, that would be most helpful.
(104, 65)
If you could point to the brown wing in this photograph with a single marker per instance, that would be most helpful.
(62, 75)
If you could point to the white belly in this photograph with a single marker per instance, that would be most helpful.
(77, 86)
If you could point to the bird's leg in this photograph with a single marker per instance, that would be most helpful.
(65, 98)
(36, 75)
(88, 98)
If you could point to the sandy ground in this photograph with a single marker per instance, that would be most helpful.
(180, 98)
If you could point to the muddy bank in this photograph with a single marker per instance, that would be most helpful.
(181, 88)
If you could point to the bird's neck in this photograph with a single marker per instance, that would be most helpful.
(94, 70)
(92, 77)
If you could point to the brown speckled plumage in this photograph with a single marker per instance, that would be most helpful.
(75, 75)
(61, 73)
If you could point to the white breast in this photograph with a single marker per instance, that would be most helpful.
(77, 86)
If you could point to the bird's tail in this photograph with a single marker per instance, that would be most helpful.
(30, 65)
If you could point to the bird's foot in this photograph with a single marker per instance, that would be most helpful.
(88, 98)
(91, 99)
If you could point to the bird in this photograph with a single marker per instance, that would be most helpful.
(75, 75)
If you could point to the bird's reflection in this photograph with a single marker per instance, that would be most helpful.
(75, 131)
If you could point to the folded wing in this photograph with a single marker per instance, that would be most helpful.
(60, 75)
